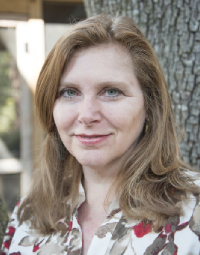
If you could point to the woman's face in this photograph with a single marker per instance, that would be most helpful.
(99, 112)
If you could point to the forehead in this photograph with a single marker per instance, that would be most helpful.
(114, 46)
(110, 54)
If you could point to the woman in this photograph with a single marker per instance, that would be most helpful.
(109, 180)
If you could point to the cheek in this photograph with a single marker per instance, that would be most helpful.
(63, 116)
(127, 117)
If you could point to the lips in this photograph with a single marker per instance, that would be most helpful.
(91, 139)
(90, 136)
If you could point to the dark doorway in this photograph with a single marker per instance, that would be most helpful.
(62, 12)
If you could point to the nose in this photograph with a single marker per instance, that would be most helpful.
(89, 111)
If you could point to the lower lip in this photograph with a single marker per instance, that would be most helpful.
(92, 141)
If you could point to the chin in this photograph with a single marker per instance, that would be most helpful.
(91, 161)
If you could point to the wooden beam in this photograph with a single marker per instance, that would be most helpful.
(28, 9)
(14, 6)
(35, 9)
(64, 1)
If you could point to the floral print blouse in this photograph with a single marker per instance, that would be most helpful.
(117, 235)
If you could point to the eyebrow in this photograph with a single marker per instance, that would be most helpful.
(100, 84)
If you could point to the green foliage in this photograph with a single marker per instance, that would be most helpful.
(7, 114)
(3, 220)
(5, 86)
(7, 104)
(9, 123)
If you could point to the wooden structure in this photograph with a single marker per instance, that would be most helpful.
(27, 17)
(27, 9)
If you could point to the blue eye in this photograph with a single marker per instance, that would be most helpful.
(70, 93)
(112, 92)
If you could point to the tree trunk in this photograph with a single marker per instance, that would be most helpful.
(3, 220)
(173, 29)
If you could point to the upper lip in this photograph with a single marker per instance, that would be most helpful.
(85, 135)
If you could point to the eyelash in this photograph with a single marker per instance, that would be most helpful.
(61, 93)
(118, 92)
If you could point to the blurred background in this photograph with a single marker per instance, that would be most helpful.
(28, 31)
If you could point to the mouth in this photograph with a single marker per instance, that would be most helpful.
(91, 139)
(90, 136)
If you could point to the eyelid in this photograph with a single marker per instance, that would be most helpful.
(63, 90)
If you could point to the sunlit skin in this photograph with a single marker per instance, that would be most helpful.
(99, 113)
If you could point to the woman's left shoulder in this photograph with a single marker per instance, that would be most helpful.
(193, 174)
(194, 222)
(191, 206)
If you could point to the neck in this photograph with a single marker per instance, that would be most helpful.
(97, 184)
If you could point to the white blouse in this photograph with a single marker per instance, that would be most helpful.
(117, 235)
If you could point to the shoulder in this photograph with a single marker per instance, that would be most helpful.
(193, 175)
(192, 201)
(10, 230)
(194, 222)
(191, 206)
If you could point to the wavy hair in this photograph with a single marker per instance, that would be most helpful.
(153, 179)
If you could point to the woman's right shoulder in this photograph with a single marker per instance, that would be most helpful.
(13, 224)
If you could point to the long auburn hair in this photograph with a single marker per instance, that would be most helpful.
(153, 179)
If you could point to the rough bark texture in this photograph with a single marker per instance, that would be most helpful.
(3, 220)
(173, 29)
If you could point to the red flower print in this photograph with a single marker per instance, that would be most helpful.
(37, 246)
(172, 228)
(18, 203)
(182, 226)
(168, 227)
(142, 229)
(2, 253)
(70, 226)
(15, 253)
(6, 244)
(11, 231)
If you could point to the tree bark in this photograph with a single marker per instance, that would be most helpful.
(173, 29)
(3, 220)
